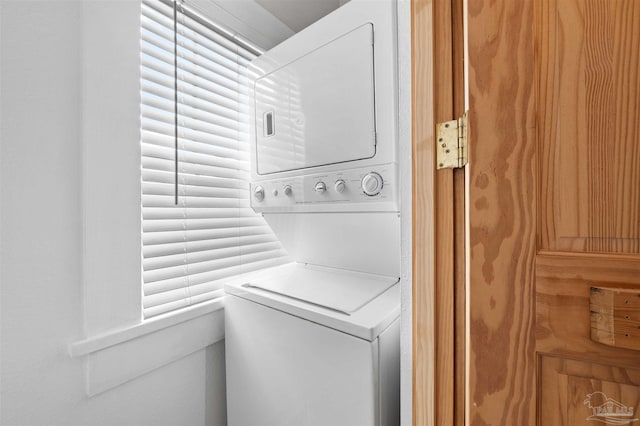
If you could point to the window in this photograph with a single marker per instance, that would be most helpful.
(197, 226)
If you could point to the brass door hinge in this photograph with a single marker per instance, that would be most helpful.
(451, 143)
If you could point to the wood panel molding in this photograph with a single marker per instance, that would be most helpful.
(588, 83)
(622, 269)
(579, 393)
(563, 311)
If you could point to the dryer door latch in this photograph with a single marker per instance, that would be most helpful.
(451, 143)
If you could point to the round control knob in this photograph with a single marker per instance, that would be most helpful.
(288, 190)
(372, 184)
(340, 186)
(258, 192)
(320, 187)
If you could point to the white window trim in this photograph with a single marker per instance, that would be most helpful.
(114, 335)
(118, 336)
(114, 357)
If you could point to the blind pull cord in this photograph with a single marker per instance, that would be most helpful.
(175, 95)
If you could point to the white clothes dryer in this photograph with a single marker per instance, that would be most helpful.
(309, 345)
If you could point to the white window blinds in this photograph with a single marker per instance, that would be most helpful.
(191, 247)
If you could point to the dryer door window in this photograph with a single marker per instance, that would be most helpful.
(318, 109)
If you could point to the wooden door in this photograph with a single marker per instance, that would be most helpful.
(554, 212)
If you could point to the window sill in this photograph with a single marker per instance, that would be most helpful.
(117, 356)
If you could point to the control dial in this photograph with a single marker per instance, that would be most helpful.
(372, 184)
(320, 187)
(258, 193)
(339, 186)
(288, 190)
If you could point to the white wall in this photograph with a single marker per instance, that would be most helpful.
(45, 66)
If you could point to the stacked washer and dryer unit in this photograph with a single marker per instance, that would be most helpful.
(316, 341)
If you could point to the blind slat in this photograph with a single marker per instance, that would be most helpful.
(194, 156)
(153, 238)
(187, 224)
(161, 148)
(238, 152)
(193, 257)
(194, 246)
(151, 125)
(159, 213)
(202, 136)
(149, 200)
(160, 176)
(159, 164)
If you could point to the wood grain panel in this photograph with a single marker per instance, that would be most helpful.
(588, 86)
(579, 393)
(423, 187)
(502, 220)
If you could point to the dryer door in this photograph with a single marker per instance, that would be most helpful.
(318, 109)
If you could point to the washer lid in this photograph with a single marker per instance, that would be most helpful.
(355, 303)
(336, 289)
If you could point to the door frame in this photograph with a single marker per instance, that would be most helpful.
(438, 217)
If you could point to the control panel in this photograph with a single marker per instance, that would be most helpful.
(363, 189)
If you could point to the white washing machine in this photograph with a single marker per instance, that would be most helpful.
(310, 345)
